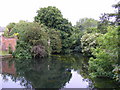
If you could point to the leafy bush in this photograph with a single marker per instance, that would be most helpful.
(85, 23)
(88, 42)
(23, 50)
(18, 28)
(100, 67)
(55, 41)
(52, 18)
(30, 35)
(74, 40)
(8, 30)
(106, 54)
(38, 51)
(116, 72)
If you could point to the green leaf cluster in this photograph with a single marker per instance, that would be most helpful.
(52, 18)
(88, 42)
(55, 41)
(106, 54)
(85, 23)
(30, 35)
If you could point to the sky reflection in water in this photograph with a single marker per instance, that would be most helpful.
(76, 81)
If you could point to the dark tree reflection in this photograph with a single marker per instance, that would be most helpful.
(53, 72)
(43, 73)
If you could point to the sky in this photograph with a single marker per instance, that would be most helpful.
(73, 10)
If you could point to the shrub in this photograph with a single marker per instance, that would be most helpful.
(116, 72)
(106, 54)
(38, 51)
(23, 50)
(30, 35)
(88, 42)
(55, 41)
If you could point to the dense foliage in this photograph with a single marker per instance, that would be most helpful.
(85, 23)
(50, 33)
(88, 42)
(31, 35)
(52, 18)
(104, 23)
(106, 55)
(9, 29)
(55, 41)
(23, 50)
(49, 16)
(74, 40)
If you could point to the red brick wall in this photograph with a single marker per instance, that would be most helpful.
(6, 42)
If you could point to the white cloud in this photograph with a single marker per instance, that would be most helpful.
(73, 10)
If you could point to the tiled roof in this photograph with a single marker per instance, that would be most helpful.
(2, 29)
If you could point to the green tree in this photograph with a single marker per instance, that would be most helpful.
(55, 41)
(48, 16)
(106, 19)
(23, 50)
(74, 39)
(85, 23)
(9, 29)
(104, 23)
(10, 26)
(18, 28)
(88, 42)
(106, 55)
(31, 35)
(117, 14)
(52, 18)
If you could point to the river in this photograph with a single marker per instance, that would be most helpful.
(57, 71)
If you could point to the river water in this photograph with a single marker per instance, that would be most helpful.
(57, 71)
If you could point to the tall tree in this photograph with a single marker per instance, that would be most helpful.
(117, 14)
(32, 40)
(108, 19)
(10, 26)
(8, 29)
(48, 16)
(52, 18)
(85, 23)
(104, 22)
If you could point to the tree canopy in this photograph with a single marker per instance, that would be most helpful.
(31, 36)
(85, 23)
(52, 17)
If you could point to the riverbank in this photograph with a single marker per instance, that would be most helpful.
(6, 56)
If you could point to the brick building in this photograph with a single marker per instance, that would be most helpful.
(7, 42)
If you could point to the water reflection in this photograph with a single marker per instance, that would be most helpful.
(68, 71)
(77, 81)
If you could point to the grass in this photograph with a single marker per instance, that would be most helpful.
(4, 52)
